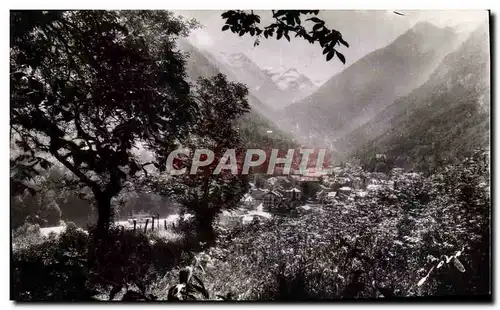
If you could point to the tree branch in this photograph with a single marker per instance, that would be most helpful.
(93, 185)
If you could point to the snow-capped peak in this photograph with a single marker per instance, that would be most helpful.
(291, 80)
(237, 59)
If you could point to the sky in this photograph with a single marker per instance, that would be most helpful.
(365, 31)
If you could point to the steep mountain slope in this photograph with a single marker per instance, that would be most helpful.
(448, 116)
(257, 124)
(256, 79)
(200, 64)
(292, 82)
(358, 93)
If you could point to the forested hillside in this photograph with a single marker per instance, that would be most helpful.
(359, 92)
(445, 119)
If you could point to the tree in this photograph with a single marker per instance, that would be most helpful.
(54, 185)
(205, 193)
(89, 86)
(51, 213)
(287, 22)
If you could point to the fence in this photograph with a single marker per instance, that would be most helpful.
(155, 224)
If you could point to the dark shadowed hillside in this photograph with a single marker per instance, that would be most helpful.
(360, 91)
(446, 117)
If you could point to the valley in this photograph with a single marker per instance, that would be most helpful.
(398, 113)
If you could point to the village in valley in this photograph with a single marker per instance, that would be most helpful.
(283, 195)
(312, 191)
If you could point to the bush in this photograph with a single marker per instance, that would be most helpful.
(26, 235)
(62, 268)
(54, 269)
(425, 237)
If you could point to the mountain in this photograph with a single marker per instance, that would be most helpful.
(363, 89)
(256, 79)
(202, 64)
(447, 117)
(292, 82)
(257, 125)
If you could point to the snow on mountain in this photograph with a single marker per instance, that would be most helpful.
(292, 82)
(247, 72)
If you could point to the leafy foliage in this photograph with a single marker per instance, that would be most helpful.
(287, 22)
(88, 86)
(420, 238)
(53, 269)
(426, 236)
(221, 104)
(75, 266)
(57, 187)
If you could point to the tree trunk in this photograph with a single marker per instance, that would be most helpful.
(204, 227)
(104, 214)
(204, 217)
(101, 232)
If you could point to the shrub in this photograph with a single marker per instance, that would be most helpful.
(426, 236)
(62, 268)
(26, 235)
(54, 269)
(388, 245)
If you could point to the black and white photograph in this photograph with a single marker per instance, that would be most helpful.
(285, 155)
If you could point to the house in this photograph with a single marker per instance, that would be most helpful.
(309, 176)
(360, 194)
(293, 194)
(305, 208)
(344, 181)
(337, 170)
(373, 187)
(344, 192)
(330, 196)
(397, 171)
(271, 181)
(326, 196)
(271, 199)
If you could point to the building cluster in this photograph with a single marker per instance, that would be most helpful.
(346, 183)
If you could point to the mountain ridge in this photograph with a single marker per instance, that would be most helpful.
(448, 116)
(292, 82)
(259, 120)
(360, 91)
(256, 79)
